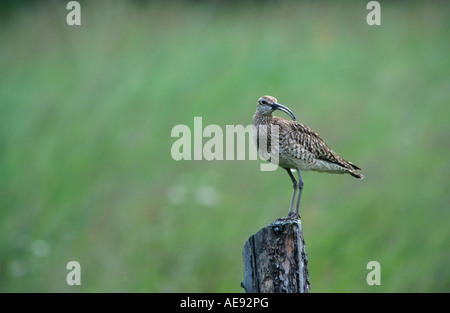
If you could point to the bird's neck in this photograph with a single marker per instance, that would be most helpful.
(262, 119)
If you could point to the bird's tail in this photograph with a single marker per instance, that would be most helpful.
(354, 166)
(352, 170)
(357, 175)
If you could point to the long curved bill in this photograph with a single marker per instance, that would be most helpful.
(277, 106)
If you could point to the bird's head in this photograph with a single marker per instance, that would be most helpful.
(267, 104)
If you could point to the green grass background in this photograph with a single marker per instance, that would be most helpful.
(86, 114)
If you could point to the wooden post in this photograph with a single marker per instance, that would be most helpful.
(275, 259)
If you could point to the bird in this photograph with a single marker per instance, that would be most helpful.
(299, 147)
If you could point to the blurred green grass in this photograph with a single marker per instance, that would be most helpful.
(86, 115)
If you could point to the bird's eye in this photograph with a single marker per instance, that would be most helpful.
(263, 102)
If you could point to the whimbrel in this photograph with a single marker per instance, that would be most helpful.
(299, 147)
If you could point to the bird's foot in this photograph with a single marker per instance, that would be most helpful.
(293, 215)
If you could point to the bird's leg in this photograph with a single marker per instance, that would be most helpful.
(300, 189)
(295, 187)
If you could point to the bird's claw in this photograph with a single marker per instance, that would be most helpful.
(293, 216)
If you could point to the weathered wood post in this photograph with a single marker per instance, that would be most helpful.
(275, 259)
